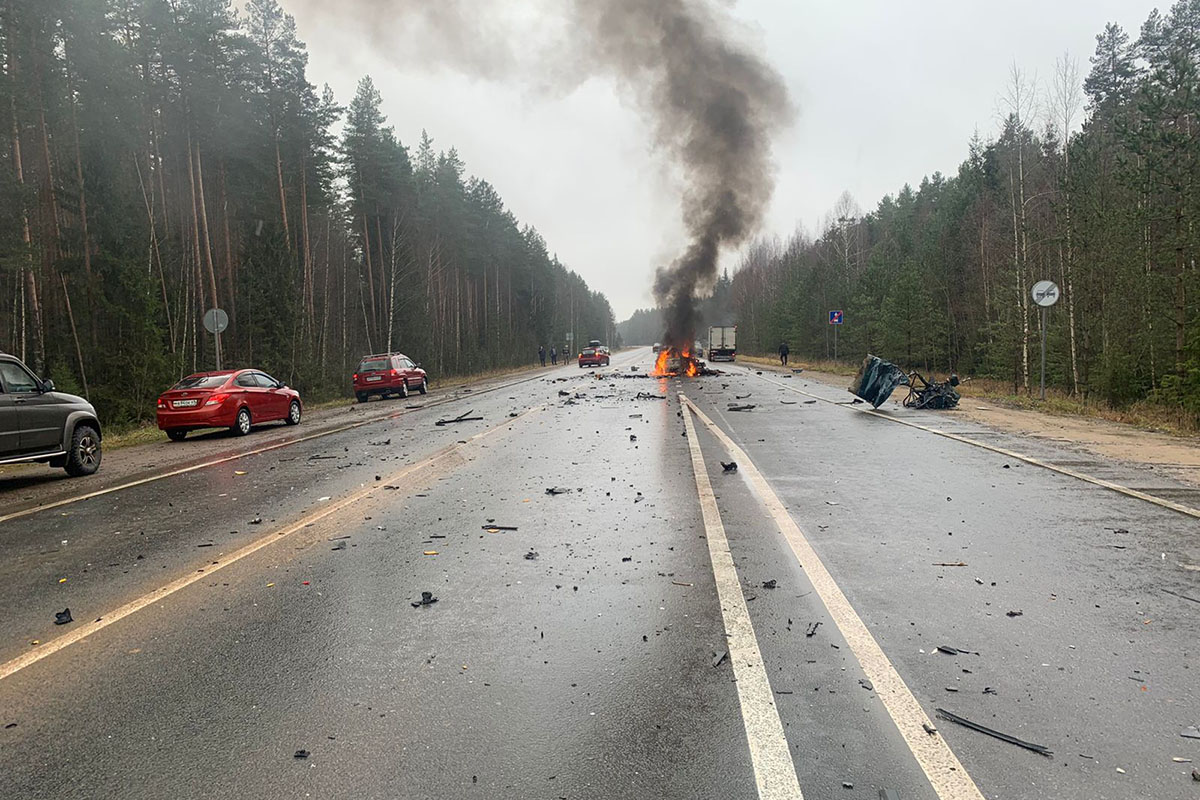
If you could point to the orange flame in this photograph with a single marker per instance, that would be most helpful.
(687, 364)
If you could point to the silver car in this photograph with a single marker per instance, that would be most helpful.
(40, 424)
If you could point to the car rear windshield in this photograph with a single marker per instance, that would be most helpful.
(373, 364)
(589, 351)
(201, 382)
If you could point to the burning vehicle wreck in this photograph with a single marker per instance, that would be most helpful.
(675, 361)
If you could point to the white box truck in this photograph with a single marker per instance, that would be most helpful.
(722, 343)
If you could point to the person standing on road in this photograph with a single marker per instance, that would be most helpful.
(783, 353)
(542, 354)
(553, 356)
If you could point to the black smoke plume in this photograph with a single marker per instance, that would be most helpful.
(714, 105)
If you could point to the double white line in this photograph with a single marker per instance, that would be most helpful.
(774, 770)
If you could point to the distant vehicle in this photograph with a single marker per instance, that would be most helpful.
(234, 399)
(38, 424)
(595, 343)
(657, 347)
(388, 374)
(698, 349)
(593, 357)
(722, 343)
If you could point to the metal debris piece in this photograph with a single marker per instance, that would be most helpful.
(929, 728)
(531, 555)
(771, 584)
(62, 617)
(720, 657)
(427, 599)
(301, 754)
(955, 651)
(889, 794)
(464, 417)
(812, 629)
(1190, 732)
(498, 528)
(866, 684)
(949, 563)
(1013, 613)
(553, 490)
(1182, 596)
(747, 407)
(730, 466)
(1004, 737)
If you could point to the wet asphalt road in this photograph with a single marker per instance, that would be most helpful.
(574, 657)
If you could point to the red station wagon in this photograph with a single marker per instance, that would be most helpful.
(234, 399)
(388, 374)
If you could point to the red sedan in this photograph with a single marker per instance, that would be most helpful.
(234, 399)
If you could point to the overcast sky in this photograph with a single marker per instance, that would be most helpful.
(888, 91)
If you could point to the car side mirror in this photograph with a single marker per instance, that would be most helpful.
(47, 386)
(280, 385)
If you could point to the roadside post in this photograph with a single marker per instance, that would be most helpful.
(1045, 294)
(835, 319)
(215, 322)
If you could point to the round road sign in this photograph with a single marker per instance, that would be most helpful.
(215, 320)
(1045, 293)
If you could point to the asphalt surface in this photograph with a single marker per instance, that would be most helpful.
(229, 616)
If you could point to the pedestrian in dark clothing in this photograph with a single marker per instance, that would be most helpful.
(542, 354)
(554, 356)
(783, 353)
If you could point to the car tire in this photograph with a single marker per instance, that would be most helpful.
(362, 397)
(403, 393)
(294, 412)
(424, 387)
(241, 425)
(83, 456)
(176, 434)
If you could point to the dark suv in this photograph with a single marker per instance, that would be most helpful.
(40, 424)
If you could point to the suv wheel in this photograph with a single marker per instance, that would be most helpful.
(83, 457)
(403, 388)
(241, 425)
(176, 434)
(424, 387)
(362, 396)
(293, 417)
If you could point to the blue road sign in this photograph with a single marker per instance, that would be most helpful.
(835, 317)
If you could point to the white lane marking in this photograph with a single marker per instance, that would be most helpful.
(446, 457)
(946, 774)
(774, 771)
(1037, 462)
(257, 451)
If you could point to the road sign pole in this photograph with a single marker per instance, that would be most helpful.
(1044, 351)
(218, 337)
(835, 330)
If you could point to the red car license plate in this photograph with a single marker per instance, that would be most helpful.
(184, 403)
(374, 377)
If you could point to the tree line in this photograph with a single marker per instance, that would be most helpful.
(1092, 183)
(171, 156)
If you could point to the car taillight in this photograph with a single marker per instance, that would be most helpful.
(162, 403)
(217, 399)
(355, 376)
(393, 372)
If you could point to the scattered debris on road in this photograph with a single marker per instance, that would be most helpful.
(681, 583)
(427, 599)
(301, 754)
(866, 684)
(62, 617)
(531, 555)
(929, 728)
(876, 380)
(812, 629)
(747, 407)
(771, 584)
(1190, 732)
(730, 466)
(556, 490)
(954, 651)
(1016, 613)
(949, 563)
(975, 726)
(498, 528)
(720, 657)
